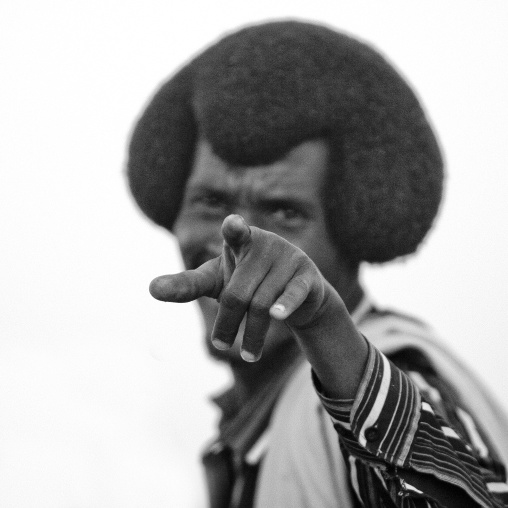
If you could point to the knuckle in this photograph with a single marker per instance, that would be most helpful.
(260, 306)
(301, 262)
(231, 300)
(306, 264)
(299, 284)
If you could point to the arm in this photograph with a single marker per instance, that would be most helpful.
(392, 427)
(263, 276)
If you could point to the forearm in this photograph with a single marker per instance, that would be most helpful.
(390, 429)
(334, 347)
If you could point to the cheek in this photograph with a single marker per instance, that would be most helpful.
(326, 257)
(198, 242)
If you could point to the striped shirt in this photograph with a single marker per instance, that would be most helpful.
(406, 417)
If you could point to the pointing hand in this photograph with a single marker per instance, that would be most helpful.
(258, 274)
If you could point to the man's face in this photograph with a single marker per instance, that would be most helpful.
(284, 197)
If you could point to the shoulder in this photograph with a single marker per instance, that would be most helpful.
(376, 321)
(438, 372)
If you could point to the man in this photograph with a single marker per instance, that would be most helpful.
(283, 157)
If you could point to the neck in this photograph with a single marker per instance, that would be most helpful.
(346, 281)
(353, 296)
(251, 377)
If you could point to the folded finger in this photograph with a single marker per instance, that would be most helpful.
(231, 311)
(258, 315)
(296, 292)
(256, 328)
(236, 298)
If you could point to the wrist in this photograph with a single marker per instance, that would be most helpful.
(334, 347)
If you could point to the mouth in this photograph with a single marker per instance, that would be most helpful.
(199, 259)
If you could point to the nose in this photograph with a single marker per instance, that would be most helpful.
(250, 217)
(213, 245)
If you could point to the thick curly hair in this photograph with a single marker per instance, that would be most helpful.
(264, 89)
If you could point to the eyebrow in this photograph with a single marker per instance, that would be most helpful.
(275, 199)
(285, 202)
(263, 200)
(200, 190)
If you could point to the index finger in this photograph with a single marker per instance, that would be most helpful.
(236, 233)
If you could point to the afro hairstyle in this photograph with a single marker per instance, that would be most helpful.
(259, 92)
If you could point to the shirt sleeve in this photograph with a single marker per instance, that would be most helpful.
(398, 420)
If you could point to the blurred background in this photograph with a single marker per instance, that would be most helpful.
(104, 391)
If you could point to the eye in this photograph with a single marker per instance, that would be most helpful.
(287, 215)
(208, 203)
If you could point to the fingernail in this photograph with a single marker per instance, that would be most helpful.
(279, 308)
(235, 230)
(220, 344)
(249, 357)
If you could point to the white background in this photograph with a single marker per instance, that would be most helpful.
(103, 391)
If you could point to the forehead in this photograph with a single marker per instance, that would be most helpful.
(302, 170)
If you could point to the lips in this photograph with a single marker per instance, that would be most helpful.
(199, 259)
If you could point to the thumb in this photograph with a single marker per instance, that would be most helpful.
(189, 285)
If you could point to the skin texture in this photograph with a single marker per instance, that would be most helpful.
(286, 243)
(265, 272)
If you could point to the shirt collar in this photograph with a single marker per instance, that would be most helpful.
(242, 424)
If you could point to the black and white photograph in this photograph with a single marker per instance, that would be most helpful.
(253, 255)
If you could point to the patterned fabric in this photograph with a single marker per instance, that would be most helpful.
(408, 422)
(391, 425)
(231, 461)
